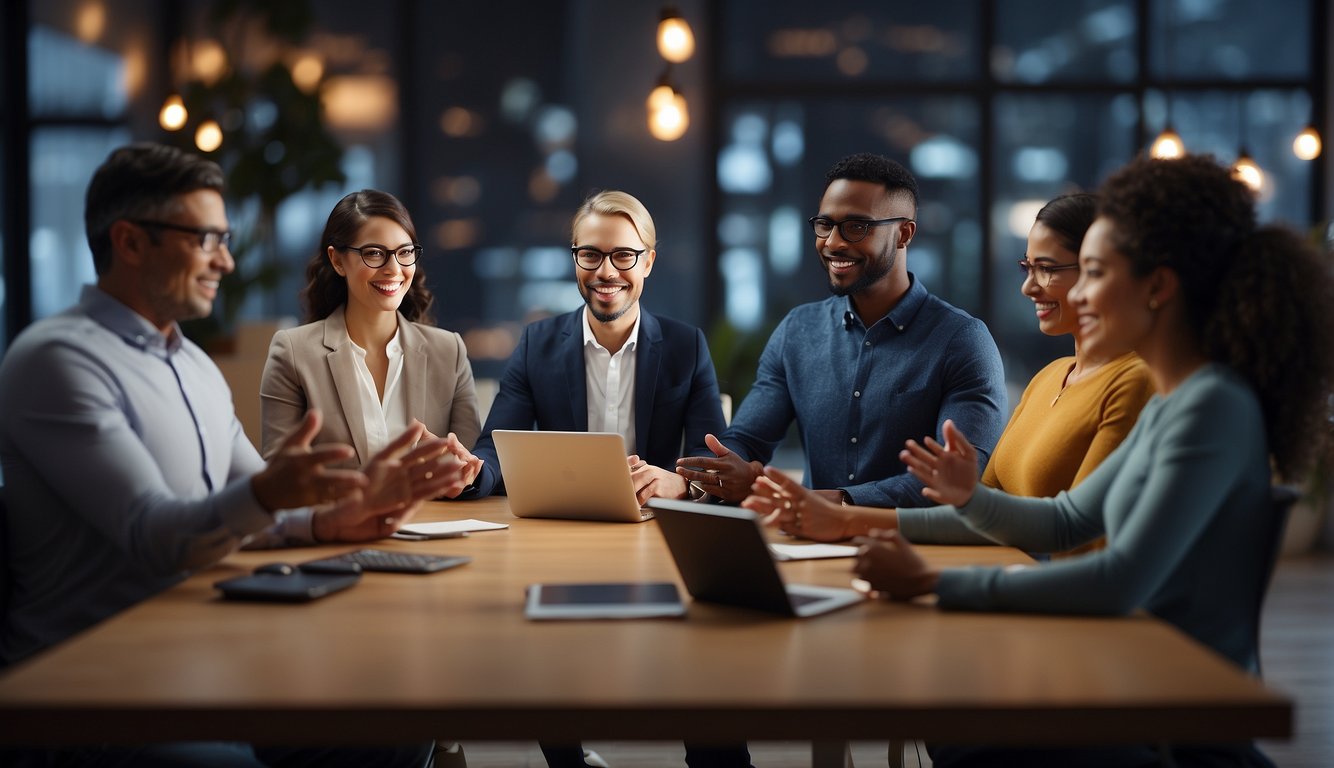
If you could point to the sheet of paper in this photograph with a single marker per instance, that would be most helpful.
(811, 551)
(451, 526)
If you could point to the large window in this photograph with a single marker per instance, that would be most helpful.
(83, 71)
(996, 108)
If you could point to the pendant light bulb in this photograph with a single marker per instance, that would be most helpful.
(172, 117)
(1168, 145)
(1307, 145)
(1248, 172)
(676, 41)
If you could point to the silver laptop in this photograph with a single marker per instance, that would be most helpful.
(568, 475)
(723, 558)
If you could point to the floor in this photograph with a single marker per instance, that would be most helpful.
(1298, 657)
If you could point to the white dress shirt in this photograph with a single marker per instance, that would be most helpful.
(611, 385)
(385, 418)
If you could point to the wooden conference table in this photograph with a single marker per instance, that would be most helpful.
(450, 655)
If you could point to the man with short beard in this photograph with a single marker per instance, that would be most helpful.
(610, 366)
(880, 362)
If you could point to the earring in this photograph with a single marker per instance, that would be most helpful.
(1153, 305)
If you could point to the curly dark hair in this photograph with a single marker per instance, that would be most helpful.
(1259, 299)
(326, 290)
(1069, 217)
(866, 166)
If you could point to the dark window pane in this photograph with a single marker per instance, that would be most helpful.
(771, 183)
(1040, 41)
(63, 160)
(844, 40)
(1045, 145)
(1264, 122)
(67, 78)
(1230, 39)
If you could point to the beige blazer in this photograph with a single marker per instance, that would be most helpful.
(314, 366)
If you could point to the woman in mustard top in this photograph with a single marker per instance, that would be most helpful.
(1071, 416)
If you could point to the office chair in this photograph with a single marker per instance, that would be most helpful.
(4, 568)
(1281, 500)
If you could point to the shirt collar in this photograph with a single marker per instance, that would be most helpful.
(589, 338)
(901, 315)
(392, 349)
(132, 327)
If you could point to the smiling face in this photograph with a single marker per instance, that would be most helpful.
(178, 279)
(612, 294)
(855, 267)
(1111, 302)
(380, 289)
(1055, 314)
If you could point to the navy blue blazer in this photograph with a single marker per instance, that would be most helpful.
(544, 387)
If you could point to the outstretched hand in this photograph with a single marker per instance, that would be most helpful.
(796, 509)
(296, 476)
(948, 471)
(725, 474)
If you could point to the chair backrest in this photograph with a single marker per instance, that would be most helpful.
(5, 559)
(1281, 499)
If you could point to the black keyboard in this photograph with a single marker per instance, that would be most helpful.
(395, 562)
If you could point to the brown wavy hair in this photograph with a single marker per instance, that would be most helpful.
(1258, 298)
(326, 290)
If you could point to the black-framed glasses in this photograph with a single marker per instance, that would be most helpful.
(1043, 273)
(376, 256)
(589, 258)
(851, 230)
(210, 240)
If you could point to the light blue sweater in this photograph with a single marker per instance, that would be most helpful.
(1184, 505)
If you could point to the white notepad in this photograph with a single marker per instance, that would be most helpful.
(451, 526)
(811, 551)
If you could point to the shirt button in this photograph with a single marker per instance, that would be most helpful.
(854, 440)
(850, 476)
(857, 393)
(900, 327)
(868, 343)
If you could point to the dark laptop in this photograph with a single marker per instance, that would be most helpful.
(723, 558)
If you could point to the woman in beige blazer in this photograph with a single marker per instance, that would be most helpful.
(369, 356)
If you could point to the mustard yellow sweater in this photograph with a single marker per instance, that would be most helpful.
(1057, 435)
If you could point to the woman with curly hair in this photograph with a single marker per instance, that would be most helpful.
(1234, 322)
(370, 355)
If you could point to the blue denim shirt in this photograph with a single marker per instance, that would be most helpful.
(858, 393)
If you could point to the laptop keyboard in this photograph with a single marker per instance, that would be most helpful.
(799, 599)
(398, 562)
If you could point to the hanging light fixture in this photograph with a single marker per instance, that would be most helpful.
(1168, 145)
(208, 137)
(668, 116)
(173, 115)
(676, 42)
(1245, 169)
(1307, 145)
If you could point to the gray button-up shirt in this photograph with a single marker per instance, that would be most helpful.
(124, 467)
